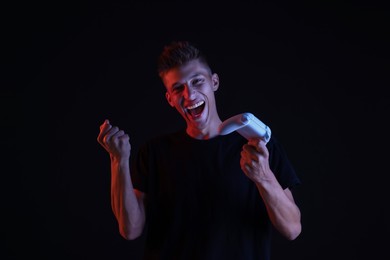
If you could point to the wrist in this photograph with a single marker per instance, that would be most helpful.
(119, 159)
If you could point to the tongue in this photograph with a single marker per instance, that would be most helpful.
(196, 111)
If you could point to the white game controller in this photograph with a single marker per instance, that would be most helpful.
(247, 125)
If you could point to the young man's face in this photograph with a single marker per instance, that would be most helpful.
(190, 89)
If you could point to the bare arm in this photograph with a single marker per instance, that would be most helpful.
(126, 202)
(282, 210)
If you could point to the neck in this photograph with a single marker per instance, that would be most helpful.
(211, 131)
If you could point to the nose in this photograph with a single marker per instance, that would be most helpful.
(188, 91)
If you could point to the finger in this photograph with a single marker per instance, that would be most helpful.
(106, 122)
(118, 135)
(125, 139)
(250, 153)
(248, 148)
(245, 167)
(103, 130)
(259, 145)
(112, 131)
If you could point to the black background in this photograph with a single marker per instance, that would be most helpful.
(316, 73)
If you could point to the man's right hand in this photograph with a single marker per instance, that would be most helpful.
(115, 141)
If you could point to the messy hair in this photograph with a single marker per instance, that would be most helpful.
(178, 53)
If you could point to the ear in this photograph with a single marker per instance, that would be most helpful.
(215, 80)
(168, 97)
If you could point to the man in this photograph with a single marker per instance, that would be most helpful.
(198, 194)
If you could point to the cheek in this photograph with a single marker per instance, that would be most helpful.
(175, 101)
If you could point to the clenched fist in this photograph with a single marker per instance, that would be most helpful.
(114, 140)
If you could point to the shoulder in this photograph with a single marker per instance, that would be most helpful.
(274, 146)
(281, 165)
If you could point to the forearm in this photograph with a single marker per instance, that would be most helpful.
(282, 210)
(128, 208)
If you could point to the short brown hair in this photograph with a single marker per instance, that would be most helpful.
(178, 53)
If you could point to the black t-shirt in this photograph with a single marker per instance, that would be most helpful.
(200, 204)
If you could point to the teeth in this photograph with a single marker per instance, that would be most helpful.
(196, 105)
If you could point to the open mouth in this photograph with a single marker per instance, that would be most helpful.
(196, 109)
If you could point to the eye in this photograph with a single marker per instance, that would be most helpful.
(197, 81)
(178, 88)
